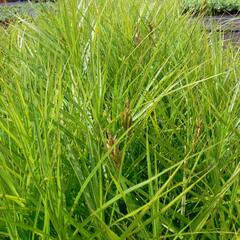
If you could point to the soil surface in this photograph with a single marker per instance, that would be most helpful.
(229, 25)
(12, 3)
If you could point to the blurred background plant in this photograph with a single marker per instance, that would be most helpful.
(217, 6)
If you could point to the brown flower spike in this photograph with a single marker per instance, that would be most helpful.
(114, 149)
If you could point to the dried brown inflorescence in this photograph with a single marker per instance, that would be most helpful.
(113, 146)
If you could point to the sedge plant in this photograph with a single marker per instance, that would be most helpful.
(118, 120)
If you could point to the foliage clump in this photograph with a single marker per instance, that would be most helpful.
(118, 120)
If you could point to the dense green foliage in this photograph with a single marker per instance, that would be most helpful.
(118, 120)
(216, 5)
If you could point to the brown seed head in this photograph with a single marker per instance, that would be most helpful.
(114, 149)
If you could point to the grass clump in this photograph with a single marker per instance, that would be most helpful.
(119, 120)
